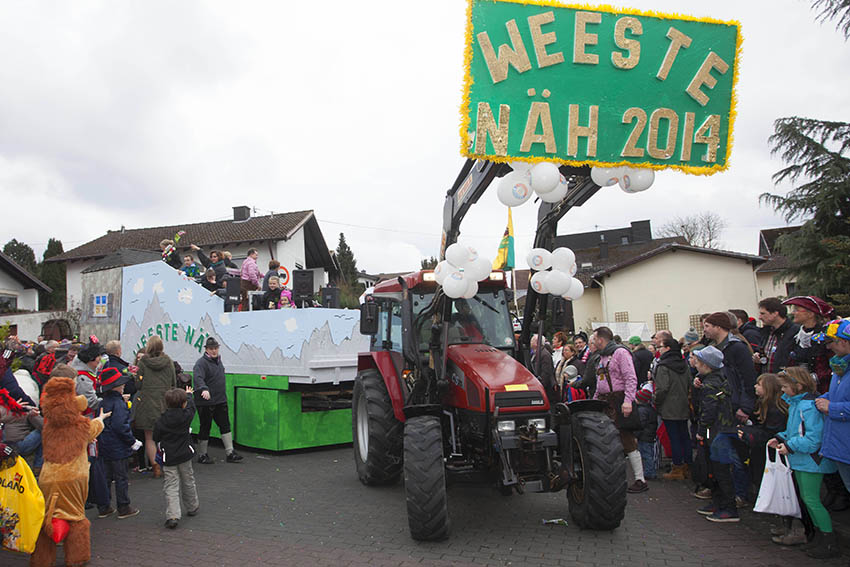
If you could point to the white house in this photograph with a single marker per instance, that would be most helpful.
(294, 239)
(18, 288)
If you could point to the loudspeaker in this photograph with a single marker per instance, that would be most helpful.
(232, 293)
(330, 297)
(302, 284)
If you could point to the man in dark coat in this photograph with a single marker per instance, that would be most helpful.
(210, 385)
(543, 367)
(740, 373)
(642, 359)
(777, 336)
(748, 328)
(113, 350)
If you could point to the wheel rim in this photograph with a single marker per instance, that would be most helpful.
(362, 429)
(577, 488)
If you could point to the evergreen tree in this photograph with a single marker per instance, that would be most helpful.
(818, 156)
(53, 274)
(347, 262)
(21, 253)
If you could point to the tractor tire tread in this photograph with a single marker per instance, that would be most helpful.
(384, 460)
(425, 479)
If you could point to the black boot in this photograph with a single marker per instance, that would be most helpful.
(815, 541)
(828, 547)
(837, 499)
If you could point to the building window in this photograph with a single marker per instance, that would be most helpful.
(587, 264)
(661, 321)
(100, 305)
(621, 316)
(791, 289)
(694, 322)
(624, 240)
(8, 303)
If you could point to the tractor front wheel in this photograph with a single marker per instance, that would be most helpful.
(598, 497)
(425, 478)
(376, 431)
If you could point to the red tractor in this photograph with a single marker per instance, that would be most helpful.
(447, 394)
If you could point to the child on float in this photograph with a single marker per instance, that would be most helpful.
(801, 442)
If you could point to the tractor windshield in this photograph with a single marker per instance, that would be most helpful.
(482, 319)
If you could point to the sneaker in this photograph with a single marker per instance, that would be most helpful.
(707, 510)
(638, 486)
(205, 459)
(703, 494)
(105, 513)
(724, 516)
(793, 537)
(193, 512)
(741, 502)
(171, 523)
(126, 512)
(233, 457)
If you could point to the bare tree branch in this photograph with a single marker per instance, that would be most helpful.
(703, 229)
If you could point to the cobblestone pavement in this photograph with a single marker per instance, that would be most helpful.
(308, 508)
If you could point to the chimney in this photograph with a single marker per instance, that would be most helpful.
(242, 213)
(603, 247)
(641, 231)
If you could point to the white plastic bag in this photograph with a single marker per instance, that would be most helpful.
(776, 495)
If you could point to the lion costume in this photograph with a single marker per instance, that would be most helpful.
(65, 477)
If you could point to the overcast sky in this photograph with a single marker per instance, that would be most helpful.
(155, 113)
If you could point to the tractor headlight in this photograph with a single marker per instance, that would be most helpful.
(538, 423)
(506, 426)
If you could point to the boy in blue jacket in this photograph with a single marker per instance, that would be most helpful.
(117, 442)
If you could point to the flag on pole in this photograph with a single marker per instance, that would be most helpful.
(505, 258)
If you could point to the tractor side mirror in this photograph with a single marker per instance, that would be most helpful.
(369, 318)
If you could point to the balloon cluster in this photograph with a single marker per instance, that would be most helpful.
(631, 180)
(560, 279)
(461, 271)
(543, 178)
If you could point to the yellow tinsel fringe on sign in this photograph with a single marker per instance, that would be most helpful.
(465, 150)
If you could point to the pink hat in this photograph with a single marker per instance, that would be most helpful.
(811, 303)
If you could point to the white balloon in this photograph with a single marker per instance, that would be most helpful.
(442, 271)
(606, 176)
(539, 282)
(636, 180)
(514, 189)
(545, 177)
(471, 290)
(455, 285)
(477, 270)
(520, 165)
(539, 259)
(573, 269)
(576, 290)
(457, 255)
(558, 282)
(562, 259)
(558, 193)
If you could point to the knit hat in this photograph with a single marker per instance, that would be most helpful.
(110, 378)
(837, 329)
(570, 372)
(580, 335)
(719, 319)
(91, 351)
(691, 336)
(211, 343)
(811, 303)
(710, 356)
(635, 340)
(644, 394)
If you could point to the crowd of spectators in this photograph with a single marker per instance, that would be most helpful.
(722, 399)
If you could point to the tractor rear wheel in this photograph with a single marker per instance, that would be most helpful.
(425, 478)
(598, 497)
(377, 433)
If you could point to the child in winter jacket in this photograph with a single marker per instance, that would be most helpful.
(801, 441)
(716, 424)
(117, 442)
(646, 435)
(171, 432)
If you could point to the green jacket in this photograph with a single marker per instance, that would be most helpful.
(155, 377)
(672, 386)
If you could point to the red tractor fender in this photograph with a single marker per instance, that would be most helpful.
(383, 361)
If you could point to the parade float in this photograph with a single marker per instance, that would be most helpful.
(289, 371)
